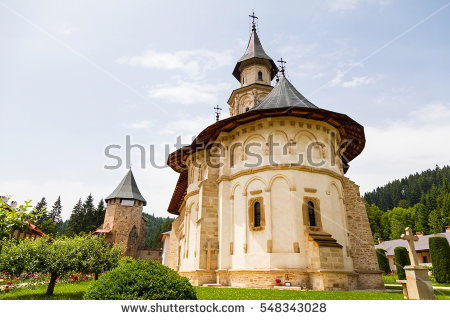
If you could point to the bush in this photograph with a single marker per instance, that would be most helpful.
(440, 258)
(383, 261)
(141, 280)
(401, 260)
(125, 260)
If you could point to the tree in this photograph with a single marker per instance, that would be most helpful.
(383, 261)
(445, 211)
(58, 257)
(40, 212)
(399, 219)
(436, 223)
(12, 219)
(75, 223)
(55, 214)
(90, 221)
(401, 259)
(421, 218)
(96, 256)
(440, 258)
(100, 213)
(374, 213)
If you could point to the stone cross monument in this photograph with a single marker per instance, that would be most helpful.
(417, 284)
(410, 237)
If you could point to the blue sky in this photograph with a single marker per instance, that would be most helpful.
(77, 76)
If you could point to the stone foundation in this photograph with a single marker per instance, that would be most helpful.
(313, 280)
(369, 279)
(200, 277)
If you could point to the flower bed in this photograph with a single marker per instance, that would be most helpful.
(8, 282)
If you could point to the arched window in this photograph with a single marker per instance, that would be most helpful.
(257, 213)
(259, 75)
(311, 214)
(246, 109)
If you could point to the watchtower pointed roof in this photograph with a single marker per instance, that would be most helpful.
(254, 50)
(127, 189)
(284, 95)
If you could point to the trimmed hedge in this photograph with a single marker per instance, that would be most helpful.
(383, 261)
(440, 258)
(141, 280)
(401, 260)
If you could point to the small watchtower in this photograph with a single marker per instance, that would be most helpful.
(123, 222)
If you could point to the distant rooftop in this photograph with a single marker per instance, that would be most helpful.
(420, 245)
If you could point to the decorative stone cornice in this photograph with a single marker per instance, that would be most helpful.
(291, 166)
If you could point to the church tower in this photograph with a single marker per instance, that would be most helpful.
(123, 222)
(254, 70)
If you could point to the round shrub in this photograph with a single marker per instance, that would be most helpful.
(401, 260)
(440, 258)
(383, 262)
(141, 280)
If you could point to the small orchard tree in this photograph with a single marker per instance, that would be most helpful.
(12, 219)
(56, 257)
(440, 258)
(383, 261)
(401, 260)
(95, 256)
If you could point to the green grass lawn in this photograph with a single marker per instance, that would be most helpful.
(392, 279)
(207, 293)
(69, 291)
(63, 291)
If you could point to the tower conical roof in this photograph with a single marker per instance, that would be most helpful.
(127, 189)
(254, 50)
(284, 95)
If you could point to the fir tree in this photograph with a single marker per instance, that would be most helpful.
(100, 213)
(76, 220)
(40, 211)
(55, 214)
(436, 223)
(89, 223)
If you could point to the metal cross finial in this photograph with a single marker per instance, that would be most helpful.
(253, 19)
(282, 63)
(217, 110)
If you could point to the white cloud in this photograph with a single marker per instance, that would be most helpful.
(143, 124)
(188, 92)
(348, 5)
(337, 79)
(360, 81)
(400, 148)
(192, 62)
(66, 30)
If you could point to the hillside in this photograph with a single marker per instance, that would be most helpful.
(420, 201)
(407, 192)
(154, 226)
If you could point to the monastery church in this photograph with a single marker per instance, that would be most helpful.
(262, 195)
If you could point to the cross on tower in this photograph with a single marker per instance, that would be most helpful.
(217, 111)
(253, 19)
(282, 63)
(408, 236)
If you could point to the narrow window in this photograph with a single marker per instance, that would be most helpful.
(311, 214)
(425, 260)
(246, 109)
(259, 75)
(257, 213)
